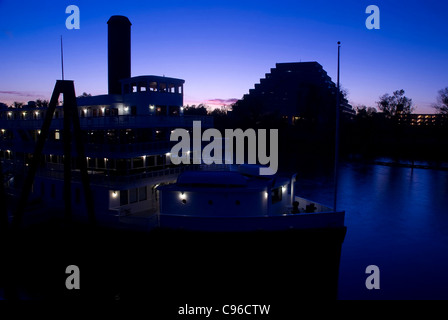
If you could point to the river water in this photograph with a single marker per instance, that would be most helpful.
(397, 219)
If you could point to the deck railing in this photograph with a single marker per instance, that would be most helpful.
(106, 150)
(113, 122)
(101, 178)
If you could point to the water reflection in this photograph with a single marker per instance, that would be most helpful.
(397, 218)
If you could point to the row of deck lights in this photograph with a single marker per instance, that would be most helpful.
(84, 110)
(23, 113)
(103, 109)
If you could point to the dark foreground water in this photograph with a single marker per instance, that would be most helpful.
(397, 219)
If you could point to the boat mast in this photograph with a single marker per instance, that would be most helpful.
(336, 148)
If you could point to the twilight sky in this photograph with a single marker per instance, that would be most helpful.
(222, 48)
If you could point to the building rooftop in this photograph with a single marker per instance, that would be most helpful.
(226, 179)
(145, 78)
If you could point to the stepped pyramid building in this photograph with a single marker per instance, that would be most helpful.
(296, 92)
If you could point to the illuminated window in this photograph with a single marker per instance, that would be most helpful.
(57, 135)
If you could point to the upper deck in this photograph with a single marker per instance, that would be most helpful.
(147, 101)
(142, 96)
(33, 119)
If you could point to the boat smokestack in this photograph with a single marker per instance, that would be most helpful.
(119, 52)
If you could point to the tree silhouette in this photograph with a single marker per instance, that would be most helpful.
(194, 110)
(219, 112)
(220, 117)
(395, 104)
(363, 112)
(442, 102)
(84, 94)
(17, 105)
(42, 103)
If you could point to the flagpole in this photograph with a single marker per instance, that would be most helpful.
(62, 60)
(336, 149)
